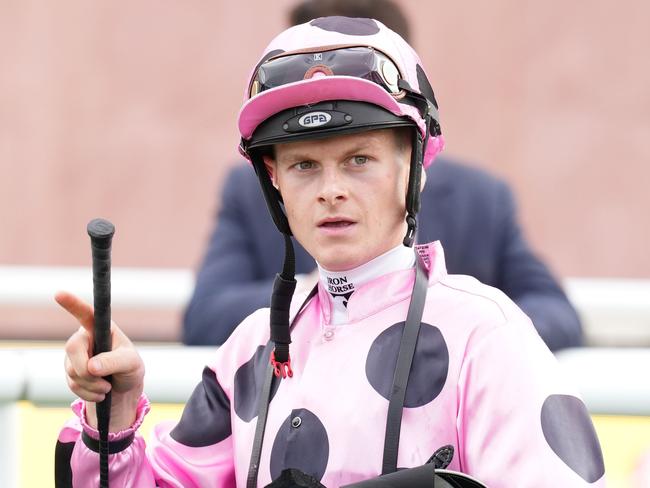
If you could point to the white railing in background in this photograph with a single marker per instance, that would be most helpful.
(611, 380)
(614, 311)
(33, 286)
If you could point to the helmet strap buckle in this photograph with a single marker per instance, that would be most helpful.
(410, 232)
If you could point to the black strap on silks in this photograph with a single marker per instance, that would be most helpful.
(403, 368)
(256, 453)
(263, 409)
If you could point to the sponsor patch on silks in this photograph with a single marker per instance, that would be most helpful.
(341, 289)
(422, 250)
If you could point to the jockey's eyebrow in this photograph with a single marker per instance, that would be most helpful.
(294, 155)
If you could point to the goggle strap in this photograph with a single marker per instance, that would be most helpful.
(427, 108)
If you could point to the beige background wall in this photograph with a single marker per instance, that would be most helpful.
(127, 110)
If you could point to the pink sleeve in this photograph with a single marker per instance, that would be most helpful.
(127, 468)
(195, 452)
(519, 422)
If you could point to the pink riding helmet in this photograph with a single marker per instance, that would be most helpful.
(324, 60)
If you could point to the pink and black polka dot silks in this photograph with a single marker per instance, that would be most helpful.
(484, 390)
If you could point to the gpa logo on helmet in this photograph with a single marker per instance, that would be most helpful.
(314, 119)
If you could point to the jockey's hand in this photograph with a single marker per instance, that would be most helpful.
(84, 373)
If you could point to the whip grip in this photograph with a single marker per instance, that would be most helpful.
(101, 234)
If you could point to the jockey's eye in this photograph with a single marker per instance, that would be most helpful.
(359, 160)
(304, 165)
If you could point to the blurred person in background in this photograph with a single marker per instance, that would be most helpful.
(470, 211)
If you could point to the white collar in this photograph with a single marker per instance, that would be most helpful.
(342, 284)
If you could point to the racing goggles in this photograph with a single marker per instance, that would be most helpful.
(356, 61)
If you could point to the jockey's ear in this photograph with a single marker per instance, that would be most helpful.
(270, 165)
(423, 180)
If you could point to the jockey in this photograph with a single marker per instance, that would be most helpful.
(389, 367)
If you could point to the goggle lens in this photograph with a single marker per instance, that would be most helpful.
(359, 62)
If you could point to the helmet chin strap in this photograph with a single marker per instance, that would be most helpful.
(284, 284)
(413, 188)
(283, 287)
(429, 113)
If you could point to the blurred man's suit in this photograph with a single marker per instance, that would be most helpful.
(472, 213)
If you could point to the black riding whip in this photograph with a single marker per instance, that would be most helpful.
(101, 234)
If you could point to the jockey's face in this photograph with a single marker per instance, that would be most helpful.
(345, 195)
